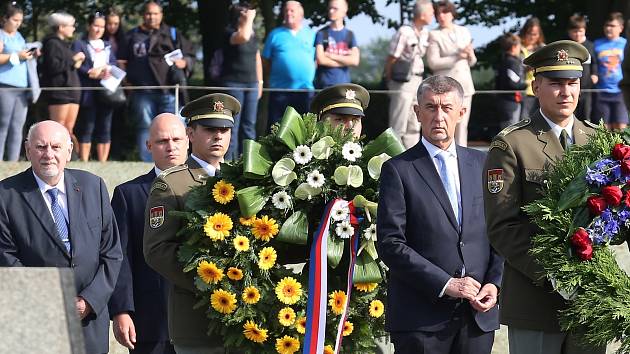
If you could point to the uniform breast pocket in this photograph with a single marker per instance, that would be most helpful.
(535, 182)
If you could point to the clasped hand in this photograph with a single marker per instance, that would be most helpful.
(481, 298)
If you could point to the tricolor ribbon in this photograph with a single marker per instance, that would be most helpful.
(318, 282)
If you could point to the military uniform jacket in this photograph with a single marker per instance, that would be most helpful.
(186, 325)
(512, 179)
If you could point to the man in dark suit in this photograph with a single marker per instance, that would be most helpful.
(139, 302)
(56, 217)
(443, 274)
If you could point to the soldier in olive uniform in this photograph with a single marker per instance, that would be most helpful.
(512, 178)
(342, 104)
(210, 121)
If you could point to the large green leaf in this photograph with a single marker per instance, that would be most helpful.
(282, 172)
(251, 200)
(304, 191)
(295, 229)
(291, 131)
(355, 176)
(375, 164)
(322, 149)
(369, 247)
(366, 270)
(335, 250)
(387, 143)
(360, 201)
(341, 175)
(575, 194)
(256, 160)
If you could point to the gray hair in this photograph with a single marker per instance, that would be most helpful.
(440, 84)
(59, 19)
(421, 6)
(31, 131)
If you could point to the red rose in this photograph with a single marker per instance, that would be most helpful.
(625, 167)
(612, 194)
(627, 199)
(621, 152)
(596, 204)
(582, 244)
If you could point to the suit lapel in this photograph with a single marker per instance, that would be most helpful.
(426, 168)
(551, 144)
(198, 173)
(36, 202)
(580, 135)
(147, 180)
(76, 215)
(466, 185)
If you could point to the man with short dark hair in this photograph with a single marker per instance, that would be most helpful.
(51, 216)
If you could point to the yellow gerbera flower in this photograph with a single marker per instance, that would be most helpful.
(365, 287)
(348, 327)
(251, 295)
(300, 325)
(223, 192)
(265, 228)
(267, 258)
(218, 226)
(241, 243)
(209, 272)
(287, 345)
(253, 333)
(329, 349)
(247, 221)
(235, 273)
(223, 301)
(286, 316)
(288, 291)
(337, 302)
(376, 308)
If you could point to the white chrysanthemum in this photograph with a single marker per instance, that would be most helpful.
(351, 151)
(370, 233)
(340, 213)
(302, 155)
(315, 179)
(281, 200)
(344, 229)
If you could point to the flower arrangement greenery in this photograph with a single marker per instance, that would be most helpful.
(586, 208)
(248, 233)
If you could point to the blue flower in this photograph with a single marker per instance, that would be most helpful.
(596, 177)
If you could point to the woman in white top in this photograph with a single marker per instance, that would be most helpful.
(451, 53)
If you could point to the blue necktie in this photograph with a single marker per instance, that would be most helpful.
(60, 220)
(448, 180)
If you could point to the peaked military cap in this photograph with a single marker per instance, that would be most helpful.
(560, 59)
(215, 110)
(341, 99)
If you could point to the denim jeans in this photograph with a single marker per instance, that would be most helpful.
(145, 105)
(244, 122)
(13, 109)
(95, 123)
(278, 102)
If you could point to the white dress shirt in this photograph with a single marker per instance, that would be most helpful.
(62, 197)
(210, 170)
(557, 130)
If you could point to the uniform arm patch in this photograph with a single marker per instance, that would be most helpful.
(158, 185)
(499, 144)
(156, 216)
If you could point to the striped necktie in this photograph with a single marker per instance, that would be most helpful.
(60, 221)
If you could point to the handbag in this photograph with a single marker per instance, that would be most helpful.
(114, 99)
(176, 76)
(401, 70)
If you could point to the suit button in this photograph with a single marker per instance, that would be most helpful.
(461, 244)
(73, 265)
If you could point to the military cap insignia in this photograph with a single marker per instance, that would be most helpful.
(156, 216)
(498, 144)
(351, 94)
(218, 106)
(562, 55)
(495, 180)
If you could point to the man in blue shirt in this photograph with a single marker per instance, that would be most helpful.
(289, 57)
(335, 47)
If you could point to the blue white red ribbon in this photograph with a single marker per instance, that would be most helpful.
(318, 282)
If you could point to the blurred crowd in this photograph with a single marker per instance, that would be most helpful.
(292, 63)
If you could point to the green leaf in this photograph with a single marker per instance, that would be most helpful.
(322, 149)
(251, 200)
(370, 248)
(581, 218)
(355, 176)
(335, 250)
(295, 229)
(256, 160)
(387, 143)
(282, 172)
(375, 164)
(341, 175)
(360, 201)
(366, 270)
(291, 131)
(304, 191)
(575, 194)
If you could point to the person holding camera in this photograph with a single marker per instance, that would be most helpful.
(143, 59)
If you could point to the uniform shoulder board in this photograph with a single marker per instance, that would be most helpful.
(170, 170)
(590, 124)
(514, 127)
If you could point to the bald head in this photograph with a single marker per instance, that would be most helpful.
(48, 147)
(167, 141)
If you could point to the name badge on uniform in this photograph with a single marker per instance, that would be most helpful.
(495, 180)
(156, 216)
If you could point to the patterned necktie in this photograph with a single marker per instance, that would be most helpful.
(448, 180)
(564, 140)
(60, 220)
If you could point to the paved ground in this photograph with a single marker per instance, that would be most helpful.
(115, 173)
